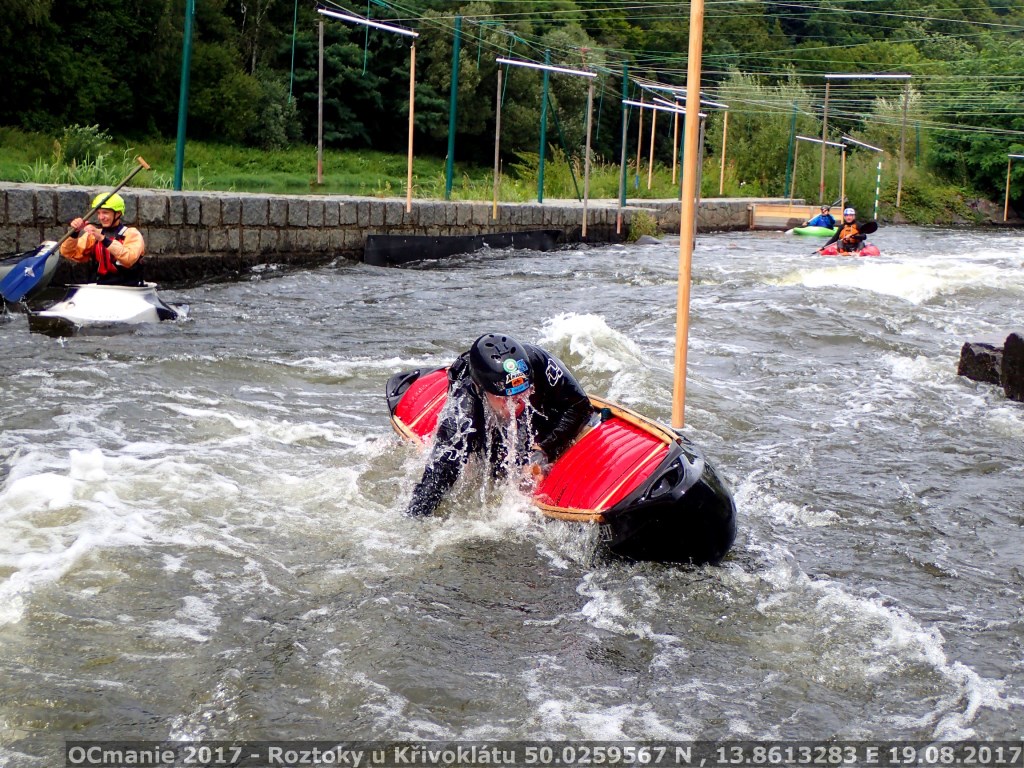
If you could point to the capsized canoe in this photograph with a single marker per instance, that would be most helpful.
(91, 308)
(867, 250)
(652, 492)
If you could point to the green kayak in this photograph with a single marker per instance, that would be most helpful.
(815, 231)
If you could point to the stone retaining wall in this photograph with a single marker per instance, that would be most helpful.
(194, 235)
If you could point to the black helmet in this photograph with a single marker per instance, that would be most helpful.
(499, 365)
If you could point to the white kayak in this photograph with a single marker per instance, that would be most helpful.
(102, 308)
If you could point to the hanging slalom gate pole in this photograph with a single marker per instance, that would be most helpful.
(295, 29)
(412, 107)
(792, 183)
(453, 107)
(650, 161)
(543, 128)
(1006, 205)
(823, 145)
(622, 152)
(586, 162)
(675, 148)
(878, 177)
(639, 140)
(790, 158)
(497, 143)
(842, 178)
(351, 18)
(824, 137)
(903, 144)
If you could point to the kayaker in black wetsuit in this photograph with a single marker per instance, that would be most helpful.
(515, 403)
(849, 238)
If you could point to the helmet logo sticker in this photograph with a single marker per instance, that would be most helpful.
(510, 366)
(553, 373)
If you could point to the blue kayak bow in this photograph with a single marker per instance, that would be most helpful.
(26, 274)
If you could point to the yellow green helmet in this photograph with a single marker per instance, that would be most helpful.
(114, 203)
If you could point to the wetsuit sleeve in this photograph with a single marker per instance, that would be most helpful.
(74, 248)
(565, 405)
(132, 249)
(456, 436)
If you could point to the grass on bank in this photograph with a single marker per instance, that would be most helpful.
(86, 156)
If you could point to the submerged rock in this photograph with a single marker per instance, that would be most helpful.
(980, 362)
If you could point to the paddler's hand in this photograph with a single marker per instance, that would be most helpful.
(77, 223)
(537, 466)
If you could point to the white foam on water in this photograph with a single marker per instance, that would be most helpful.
(278, 430)
(55, 521)
(347, 368)
(914, 281)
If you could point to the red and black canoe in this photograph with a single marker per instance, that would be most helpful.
(651, 490)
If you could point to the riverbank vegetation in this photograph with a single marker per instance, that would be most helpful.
(252, 117)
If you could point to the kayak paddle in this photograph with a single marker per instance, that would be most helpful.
(26, 274)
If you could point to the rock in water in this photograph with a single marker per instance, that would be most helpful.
(980, 362)
(1012, 375)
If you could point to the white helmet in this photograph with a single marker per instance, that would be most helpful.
(849, 212)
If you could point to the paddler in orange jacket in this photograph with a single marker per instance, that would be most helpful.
(114, 249)
(849, 237)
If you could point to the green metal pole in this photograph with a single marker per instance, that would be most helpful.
(295, 27)
(453, 108)
(186, 62)
(622, 156)
(543, 129)
(789, 158)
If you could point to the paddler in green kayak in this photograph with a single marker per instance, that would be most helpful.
(823, 219)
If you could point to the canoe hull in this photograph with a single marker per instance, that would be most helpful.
(651, 491)
(91, 308)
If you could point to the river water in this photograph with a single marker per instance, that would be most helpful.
(203, 534)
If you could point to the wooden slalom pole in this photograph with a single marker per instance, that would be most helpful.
(687, 216)
(650, 161)
(721, 174)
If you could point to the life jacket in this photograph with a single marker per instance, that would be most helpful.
(107, 270)
(847, 235)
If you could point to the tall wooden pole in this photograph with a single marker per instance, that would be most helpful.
(639, 138)
(650, 162)
(687, 213)
(320, 111)
(497, 143)
(721, 174)
(586, 161)
(1006, 205)
(824, 138)
(412, 109)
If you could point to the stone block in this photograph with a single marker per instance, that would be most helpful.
(192, 240)
(193, 209)
(315, 213)
(298, 213)
(481, 214)
(46, 207)
(411, 218)
(319, 240)
(152, 210)
(210, 212)
(363, 214)
(268, 240)
(70, 204)
(336, 240)
(28, 238)
(21, 207)
(463, 214)
(278, 215)
(250, 241)
(377, 213)
(175, 210)
(255, 211)
(160, 239)
(332, 213)
(393, 213)
(348, 214)
(354, 238)
(230, 211)
(219, 240)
